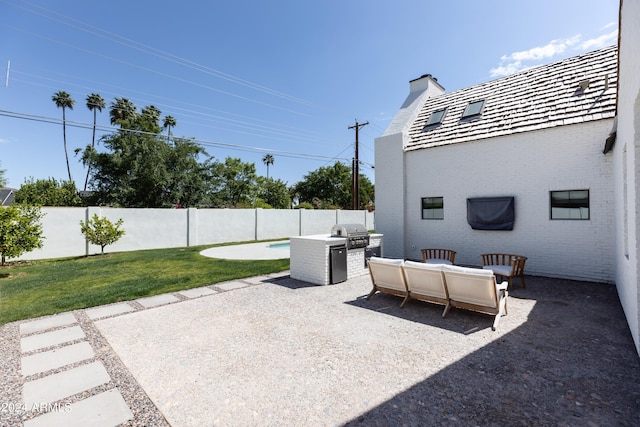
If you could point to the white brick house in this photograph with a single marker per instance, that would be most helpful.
(538, 132)
(563, 129)
(626, 167)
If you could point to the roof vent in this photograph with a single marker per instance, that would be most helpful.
(584, 84)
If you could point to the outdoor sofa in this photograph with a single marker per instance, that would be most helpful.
(453, 286)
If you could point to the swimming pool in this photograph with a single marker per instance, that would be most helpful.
(280, 245)
(262, 250)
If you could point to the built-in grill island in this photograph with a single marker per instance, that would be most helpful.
(332, 258)
(356, 234)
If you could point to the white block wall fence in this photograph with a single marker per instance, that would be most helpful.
(173, 228)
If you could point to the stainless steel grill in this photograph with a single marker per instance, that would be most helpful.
(356, 234)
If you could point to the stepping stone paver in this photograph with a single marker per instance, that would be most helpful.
(52, 359)
(157, 300)
(64, 384)
(47, 323)
(228, 286)
(108, 310)
(257, 280)
(102, 410)
(48, 339)
(198, 292)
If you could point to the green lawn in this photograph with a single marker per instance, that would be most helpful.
(45, 287)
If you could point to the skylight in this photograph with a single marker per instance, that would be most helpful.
(474, 109)
(436, 118)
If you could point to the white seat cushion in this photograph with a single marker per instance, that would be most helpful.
(499, 270)
(438, 261)
(388, 261)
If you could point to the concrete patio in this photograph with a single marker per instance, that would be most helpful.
(275, 351)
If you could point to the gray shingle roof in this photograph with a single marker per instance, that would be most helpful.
(538, 98)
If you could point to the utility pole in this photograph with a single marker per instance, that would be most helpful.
(355, 181)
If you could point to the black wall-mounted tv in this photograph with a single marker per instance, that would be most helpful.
(491, 213)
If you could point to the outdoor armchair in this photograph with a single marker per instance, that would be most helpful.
(438, 256)
(506, 266)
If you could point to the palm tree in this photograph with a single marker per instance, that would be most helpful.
(121, 110)
(63, 100)
(268, 160)
(152, 112)
(94, 102)
(168, 123)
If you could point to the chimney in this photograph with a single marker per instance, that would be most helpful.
(424, 82)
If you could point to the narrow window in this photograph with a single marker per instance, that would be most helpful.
(570, 204)
(432, 208)
(625, 203)
(435, 118)
(474, 109)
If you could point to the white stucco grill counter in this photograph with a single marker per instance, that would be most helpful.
(310, 257)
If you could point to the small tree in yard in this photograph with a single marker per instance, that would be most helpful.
(101, 231)
(20, 230)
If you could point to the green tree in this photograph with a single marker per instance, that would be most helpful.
(48, 192)
(330, 187)
(151, 119)
(100, 231)
(20, 230)
(168, 123)
(139, 168)
(95, 103)
(63, 100)
(189, 179)
(274, 193)
(268, 160)
(3, 180)
(235, 183)
(121, 111)
(367, 193)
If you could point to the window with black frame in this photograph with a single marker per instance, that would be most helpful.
(569, 204)
(432, 208)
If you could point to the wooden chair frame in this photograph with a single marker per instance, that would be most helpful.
(425, 282)
(476, 290)
(438, 254)
(516, 262)
(387, 276)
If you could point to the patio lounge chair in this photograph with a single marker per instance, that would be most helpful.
(477, 290)
(506, 266)
(387, 276)
(425, 282)
(438, 256)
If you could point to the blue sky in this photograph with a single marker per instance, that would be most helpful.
(250, 77)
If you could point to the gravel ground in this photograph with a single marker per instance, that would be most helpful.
(281, 352)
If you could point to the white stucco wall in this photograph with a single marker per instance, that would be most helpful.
(170, 228)
(626, 156)
(390, 193)
(527, 166)
(389, 160)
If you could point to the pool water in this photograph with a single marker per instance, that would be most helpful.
(280, 245)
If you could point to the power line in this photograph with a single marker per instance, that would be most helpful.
(163, 74)
(238, 147)
(150, 50)
(285, 130)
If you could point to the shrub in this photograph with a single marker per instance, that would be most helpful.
(101, 231)
(20, 230)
